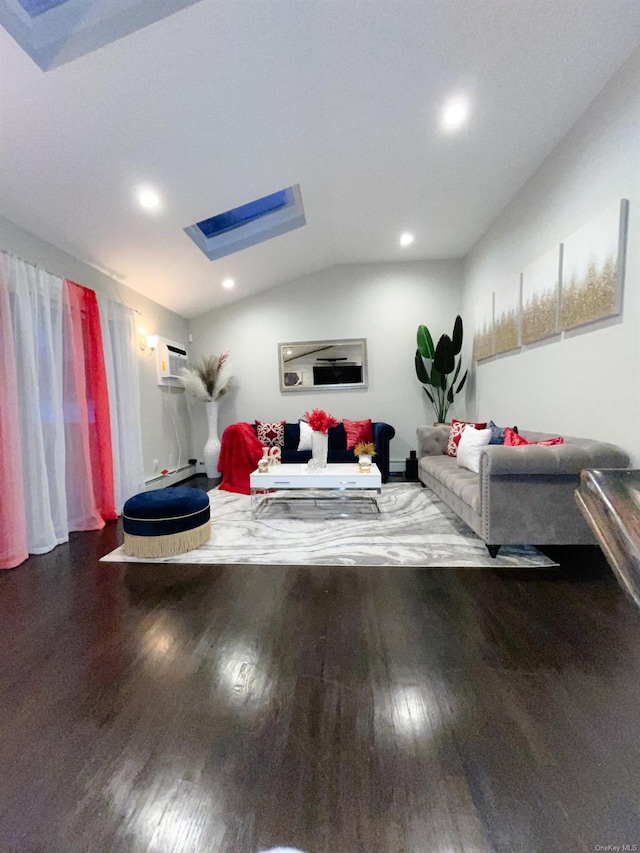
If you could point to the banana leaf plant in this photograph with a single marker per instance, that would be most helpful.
(437, 368)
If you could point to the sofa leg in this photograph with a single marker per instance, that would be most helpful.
(493, 550)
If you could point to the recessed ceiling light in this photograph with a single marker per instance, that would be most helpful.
(454, 113)
(406, 239)
(228, 283)
(148, 199)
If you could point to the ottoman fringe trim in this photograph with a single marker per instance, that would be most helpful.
(153, 547)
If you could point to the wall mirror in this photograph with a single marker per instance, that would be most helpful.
(323, 365)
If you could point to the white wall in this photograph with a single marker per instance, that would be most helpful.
(158, 432)
(383, 303)
(586, 382)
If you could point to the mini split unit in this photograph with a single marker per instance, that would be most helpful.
(171, 357)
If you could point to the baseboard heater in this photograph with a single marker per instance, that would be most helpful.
(161, 481)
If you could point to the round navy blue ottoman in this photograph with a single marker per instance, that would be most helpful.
(166, 522)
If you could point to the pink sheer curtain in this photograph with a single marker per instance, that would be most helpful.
(89, 463)
(13, 532)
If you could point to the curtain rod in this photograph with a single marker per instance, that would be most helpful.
(44, 269)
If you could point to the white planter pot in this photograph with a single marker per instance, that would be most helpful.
(364, 463)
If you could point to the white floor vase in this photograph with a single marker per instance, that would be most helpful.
(212, 446)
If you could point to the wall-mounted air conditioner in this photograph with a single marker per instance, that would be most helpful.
(171, 357)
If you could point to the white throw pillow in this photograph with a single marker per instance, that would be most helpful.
(305, 436)
(472, 441)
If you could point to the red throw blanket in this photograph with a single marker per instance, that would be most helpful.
(239, 453)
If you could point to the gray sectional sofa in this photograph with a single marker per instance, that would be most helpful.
(522, 495)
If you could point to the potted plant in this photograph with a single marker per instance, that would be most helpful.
(365, 451)
(209, 381)
(435, 366)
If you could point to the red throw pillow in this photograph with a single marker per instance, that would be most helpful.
(512, 439)
(271, 434)
(357, 431)
(457, 428)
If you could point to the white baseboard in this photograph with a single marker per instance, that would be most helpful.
(161, 481)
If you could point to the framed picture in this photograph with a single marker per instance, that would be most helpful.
(483, 328)
(593, 264)
(541, 297)
(506, 315)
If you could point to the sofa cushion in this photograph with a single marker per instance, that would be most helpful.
(305, 436)
(497, 433)
(457, 428)
(291, 435)
(470, 447)
(462, 482)
(271, 434)
(512, 439)
(338, 439)
(357, 431)
(290, 455)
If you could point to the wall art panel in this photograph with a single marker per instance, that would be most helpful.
(483, 328)
(593, 268)
(506, 315)
(541, 297)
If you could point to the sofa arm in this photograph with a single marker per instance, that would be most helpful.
(432, 440)
(568, 458)
(382, 435)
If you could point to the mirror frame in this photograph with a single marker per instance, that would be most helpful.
(343, 386)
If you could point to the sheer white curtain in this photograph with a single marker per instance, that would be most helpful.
(36, 300)
(119, 340)
(50, 417)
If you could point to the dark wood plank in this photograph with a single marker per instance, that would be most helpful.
(166, 708)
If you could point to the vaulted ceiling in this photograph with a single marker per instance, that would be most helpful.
(225, 102)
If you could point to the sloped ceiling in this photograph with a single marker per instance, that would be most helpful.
(224, 102)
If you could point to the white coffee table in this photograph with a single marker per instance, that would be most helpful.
(338, 483)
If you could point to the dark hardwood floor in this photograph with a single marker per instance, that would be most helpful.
(180, 710)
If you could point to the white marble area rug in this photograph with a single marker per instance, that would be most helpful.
(413, 529)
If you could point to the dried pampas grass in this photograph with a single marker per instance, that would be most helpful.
(210, 380)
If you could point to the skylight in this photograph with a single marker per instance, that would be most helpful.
(249, 224)
(224, 222)
(37, 7)
(53, 32)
